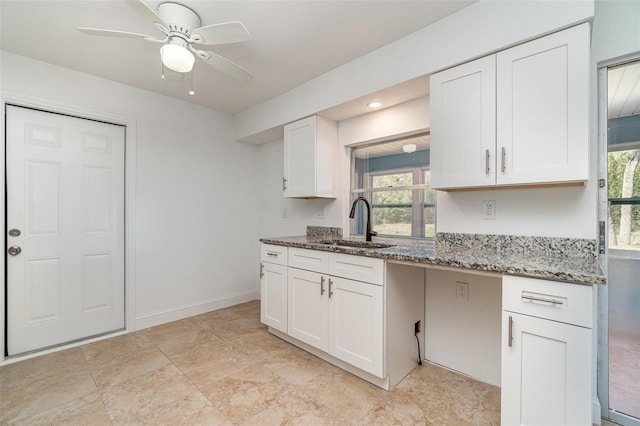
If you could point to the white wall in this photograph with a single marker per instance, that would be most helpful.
(196, 194)
(474, 31)
(408, 117)
(273, 207)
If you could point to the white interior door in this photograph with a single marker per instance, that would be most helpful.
(65, 225)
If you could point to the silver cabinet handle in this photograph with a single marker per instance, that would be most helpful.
(321, 286)
(330, 291)
(261, 270)
(541, 299)
(272, 254)
(510, 331)
(504, 156)
(284, 183)
(487, 156)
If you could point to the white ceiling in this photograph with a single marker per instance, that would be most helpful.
(623, 90)
(293, 42)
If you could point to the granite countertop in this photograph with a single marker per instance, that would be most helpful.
(552, 265)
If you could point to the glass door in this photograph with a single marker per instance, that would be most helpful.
(621, 398)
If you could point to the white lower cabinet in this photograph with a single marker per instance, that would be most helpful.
(342, 316)
(546, 363)
(339, 316)
(308, 308)
(273, 286)
(356, 324)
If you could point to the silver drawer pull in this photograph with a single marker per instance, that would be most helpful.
(539, 299)
(272, 254)
(321, 286)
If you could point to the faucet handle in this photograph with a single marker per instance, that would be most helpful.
(373, 233)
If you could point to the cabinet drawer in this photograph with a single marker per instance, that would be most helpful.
(311, 260)
(273, 254)
(359, 268)
(557, 301)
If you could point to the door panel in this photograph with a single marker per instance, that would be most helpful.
(42, 287)
(65, 193)
(307, 308)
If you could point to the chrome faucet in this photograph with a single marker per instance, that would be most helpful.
(353, 214)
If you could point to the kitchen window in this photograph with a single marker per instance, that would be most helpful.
(395, 177)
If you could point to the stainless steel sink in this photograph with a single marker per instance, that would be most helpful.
(356, 244)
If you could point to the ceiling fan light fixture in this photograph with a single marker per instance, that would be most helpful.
(177, 58)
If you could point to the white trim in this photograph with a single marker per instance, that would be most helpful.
(130, 192)
(600, 402)
(161, 317)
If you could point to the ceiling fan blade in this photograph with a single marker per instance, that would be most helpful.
(223, 64)
(113, 33)
(227, 32)
(145, 10)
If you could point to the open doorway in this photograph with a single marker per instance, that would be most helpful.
(620, 382)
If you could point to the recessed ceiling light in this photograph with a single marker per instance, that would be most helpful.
(374, 104)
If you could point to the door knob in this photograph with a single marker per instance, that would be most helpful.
(14, 250)
(14, 232)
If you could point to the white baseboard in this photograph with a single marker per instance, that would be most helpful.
(596, 412)
(180, 312)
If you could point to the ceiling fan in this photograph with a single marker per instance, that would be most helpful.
(181, 28)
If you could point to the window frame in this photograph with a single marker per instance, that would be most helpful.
(418, 188)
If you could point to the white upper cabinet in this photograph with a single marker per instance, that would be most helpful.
(543, 109)
(310, 147)
(532, 128)
(463, 132)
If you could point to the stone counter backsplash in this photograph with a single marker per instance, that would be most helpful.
(518, 245)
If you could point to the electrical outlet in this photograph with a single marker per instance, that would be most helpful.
(416, 327)
(320, 213)
(462, 291)
(488, 209)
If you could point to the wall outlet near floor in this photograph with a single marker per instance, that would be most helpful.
(462, 291)
(488, 209)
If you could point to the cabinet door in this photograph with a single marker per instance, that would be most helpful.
(308, 308)
(310, 147)
(463, 139)
(356, 324)
(546, 372)
(300, 158)
(273, 295)
(543, 109)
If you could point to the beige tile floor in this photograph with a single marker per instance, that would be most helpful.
(224, 368)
